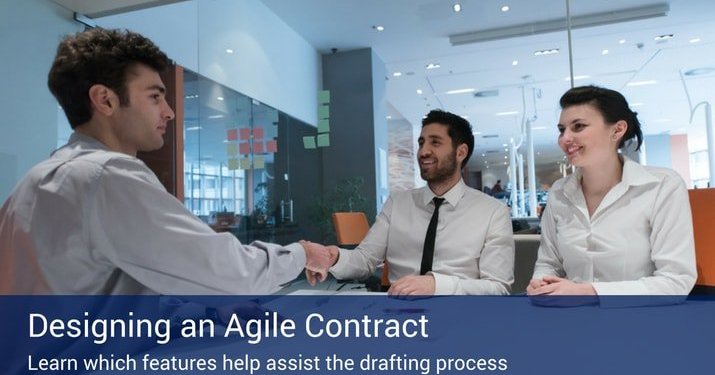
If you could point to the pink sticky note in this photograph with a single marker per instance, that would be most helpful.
(257, 147)
(257, 133)
(232, 134)
(245, 133)
(243, 148)
(272, 146)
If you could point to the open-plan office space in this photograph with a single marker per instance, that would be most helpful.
(289, 111)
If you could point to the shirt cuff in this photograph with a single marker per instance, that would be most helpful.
(338, 269)
(443, 284)
(298, 253)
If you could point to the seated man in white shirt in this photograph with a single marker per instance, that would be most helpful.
(93, 219)
(473, 252)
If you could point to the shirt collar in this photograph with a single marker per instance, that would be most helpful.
(453, 196)
(634, 174)
(86, 141)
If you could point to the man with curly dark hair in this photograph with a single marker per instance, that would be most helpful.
(93, 219)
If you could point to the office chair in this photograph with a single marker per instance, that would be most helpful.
(350, 229)
(526, 250)
(702, 206)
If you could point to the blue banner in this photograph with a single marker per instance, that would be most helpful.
(355, 335)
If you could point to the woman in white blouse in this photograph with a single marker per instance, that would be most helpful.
(613, 227)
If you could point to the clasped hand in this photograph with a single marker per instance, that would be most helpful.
(557, 286)
(318, 259)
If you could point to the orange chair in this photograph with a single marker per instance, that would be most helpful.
(350, 229)
(702, 205)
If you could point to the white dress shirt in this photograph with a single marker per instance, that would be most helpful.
(92, 221)
(474, 248)
(639, 240)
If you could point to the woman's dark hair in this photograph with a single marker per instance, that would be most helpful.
(458, 129)
(98, 56)
(612, 106)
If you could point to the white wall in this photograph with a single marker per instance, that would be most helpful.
(29, 33)
(270, 62)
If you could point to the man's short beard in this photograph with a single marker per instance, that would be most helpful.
(443, 173)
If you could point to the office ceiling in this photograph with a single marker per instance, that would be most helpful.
(416, 34)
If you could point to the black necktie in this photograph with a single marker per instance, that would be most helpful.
(428, 250)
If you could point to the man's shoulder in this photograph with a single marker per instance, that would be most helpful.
(82, 167)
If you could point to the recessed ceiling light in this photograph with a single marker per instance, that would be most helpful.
(508, 113)
(457, 7)
(460, 91)
(641, 83)
(216, 116)
(604, 52)
(228, 50)
(503, 144)
(505, 163)
(506, 149)
(193, 128)
(389, 117)
(379, 28)
(505, 8)
(663, 37)
(484, 155)
(694, 40)
(432, 66)
(506, 157)
(622, 41)
(219, 98)
(546, 52)
(515, 62)
(397, 74)
(419, 91)
(576, 78)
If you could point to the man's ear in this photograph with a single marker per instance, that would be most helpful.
(462, 150)
(103, 99)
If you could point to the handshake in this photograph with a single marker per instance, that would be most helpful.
(318, 259)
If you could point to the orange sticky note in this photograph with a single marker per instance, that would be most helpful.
(232, 134)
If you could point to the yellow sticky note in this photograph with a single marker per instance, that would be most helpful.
(323, 125)
(324, 140)
(323, 96)
(232, 164)
(231, 149)
(323, 111)
(258, 162)
(309, 142)
(245, 163)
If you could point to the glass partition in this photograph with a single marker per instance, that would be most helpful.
(237, 170)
